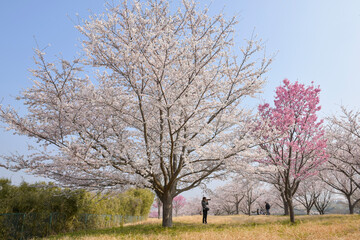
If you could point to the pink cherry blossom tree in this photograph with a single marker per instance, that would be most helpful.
(154, 101)
(178, 203)
(294, 142)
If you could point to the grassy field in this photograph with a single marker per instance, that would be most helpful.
(233, 227)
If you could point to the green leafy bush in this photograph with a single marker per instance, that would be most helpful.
(41, 209)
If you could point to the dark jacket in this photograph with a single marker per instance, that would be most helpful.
(267, 206)
(204, 204)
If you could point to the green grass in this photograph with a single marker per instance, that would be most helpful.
(145, 229)
(233, 227)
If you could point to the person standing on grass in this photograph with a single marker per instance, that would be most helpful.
(267, 207)
(204, 204)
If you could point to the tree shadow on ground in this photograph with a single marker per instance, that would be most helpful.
(143, 229)
(146, 229)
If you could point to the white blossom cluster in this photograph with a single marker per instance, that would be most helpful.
(163, 111)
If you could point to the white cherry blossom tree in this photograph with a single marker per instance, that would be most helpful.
(309, 190)
(342, 171)
(164, 110)
(252, 190)
(226, 199)
(323, 201)
(343, 185)
(344, 144)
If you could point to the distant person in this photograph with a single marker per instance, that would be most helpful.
(267, 207)
(204, 204)
(262, 211)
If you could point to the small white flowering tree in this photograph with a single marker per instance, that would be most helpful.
(163, 112)
(344, 146)
(342, 184)
(226, 199)
(309, 190)
(342, 171)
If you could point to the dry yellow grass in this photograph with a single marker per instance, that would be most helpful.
(329, 227)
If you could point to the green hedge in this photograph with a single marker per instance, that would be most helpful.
(25, 226)
(41, 209)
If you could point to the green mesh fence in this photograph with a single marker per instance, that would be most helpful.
(28, 225)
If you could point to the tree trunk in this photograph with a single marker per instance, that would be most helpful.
(167, 210)
(308, 211)
(291, 210)
(159, 207)
(286, 206)
(351, 206)
(351, 209)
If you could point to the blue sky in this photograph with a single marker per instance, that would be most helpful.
(314, 41)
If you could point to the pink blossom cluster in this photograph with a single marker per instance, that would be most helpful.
(153, 214)
(178, 203)
(294, 138)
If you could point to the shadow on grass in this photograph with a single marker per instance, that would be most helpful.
(157, 229)
(141, 229)
(147, 229)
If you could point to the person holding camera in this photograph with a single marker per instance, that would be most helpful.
(267, 206)
(204, 204)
